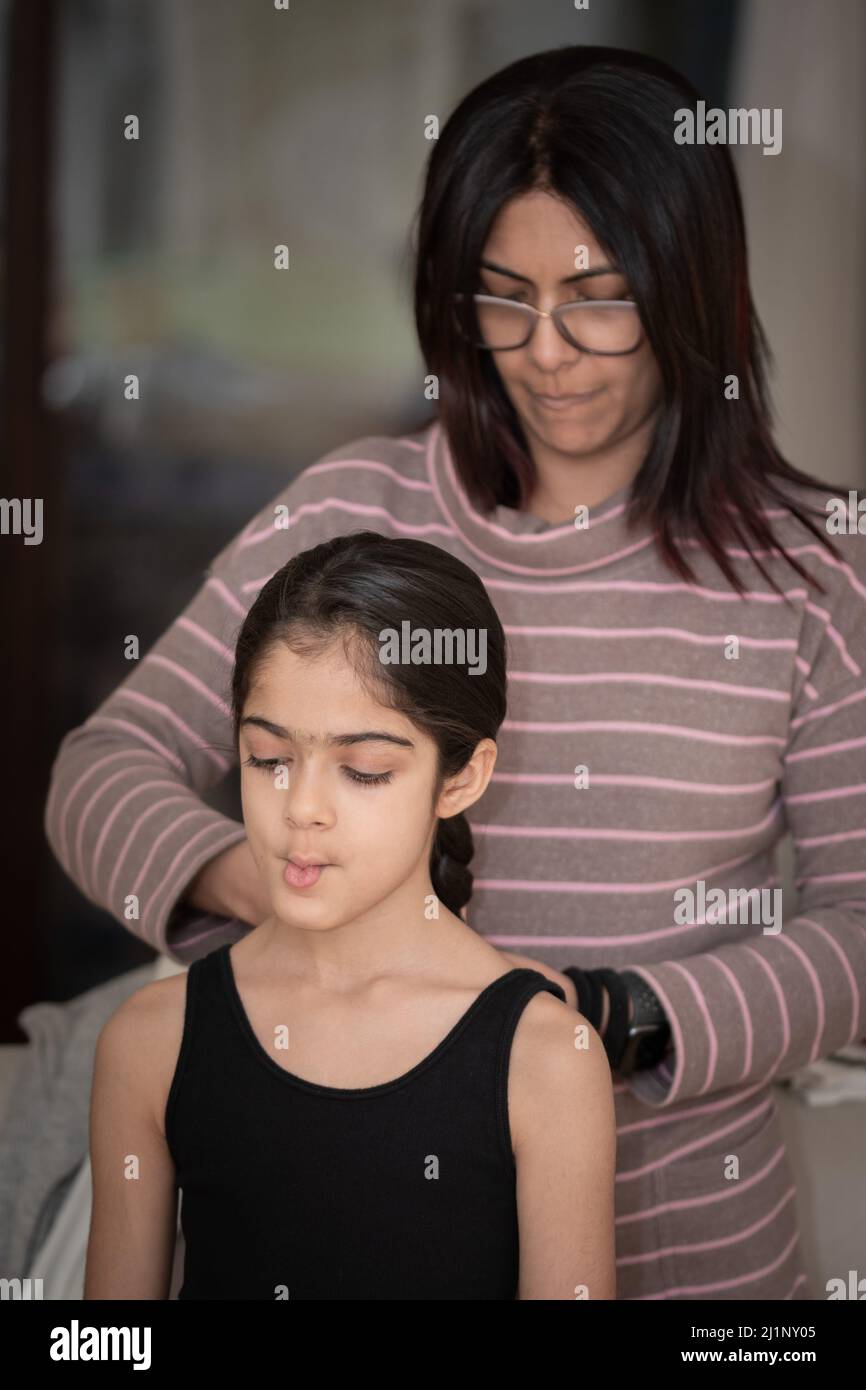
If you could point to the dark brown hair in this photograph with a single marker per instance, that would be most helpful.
(595, 127)
(352, 588)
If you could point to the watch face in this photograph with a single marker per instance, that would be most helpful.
(647, 1006)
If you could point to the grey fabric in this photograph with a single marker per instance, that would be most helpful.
(45, 1134)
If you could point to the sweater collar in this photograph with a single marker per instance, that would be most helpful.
(521, 543)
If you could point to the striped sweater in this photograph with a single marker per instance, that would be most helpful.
(660, 738)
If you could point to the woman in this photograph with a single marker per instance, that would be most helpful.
(682, 686)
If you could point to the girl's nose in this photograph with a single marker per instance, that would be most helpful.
(305, 801)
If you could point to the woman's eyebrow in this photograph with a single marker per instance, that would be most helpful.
(332, 740)
(566, 280)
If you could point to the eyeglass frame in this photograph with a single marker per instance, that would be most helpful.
(551, 314)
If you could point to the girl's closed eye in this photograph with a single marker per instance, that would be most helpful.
(367, 779)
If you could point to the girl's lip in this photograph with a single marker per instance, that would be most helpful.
(296, 877)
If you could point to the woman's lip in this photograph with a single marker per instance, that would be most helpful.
(561, 402)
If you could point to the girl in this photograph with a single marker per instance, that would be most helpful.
(360, 1100)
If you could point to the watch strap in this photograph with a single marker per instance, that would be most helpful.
(649, 1034)
(617, 1028)
(589, 996)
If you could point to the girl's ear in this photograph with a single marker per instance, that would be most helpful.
(463, 789)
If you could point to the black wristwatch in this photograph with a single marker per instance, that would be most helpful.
(648, 1034)
(630, 1044)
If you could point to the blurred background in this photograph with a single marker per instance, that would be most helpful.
(302, 126)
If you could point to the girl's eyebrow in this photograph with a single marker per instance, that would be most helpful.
(331, 740)
(566, 280)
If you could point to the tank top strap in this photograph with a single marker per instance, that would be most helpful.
(206, 999)
(508, 1001)
(514, 991)
(206, 1029)
(486, 1054)
(483, 1039)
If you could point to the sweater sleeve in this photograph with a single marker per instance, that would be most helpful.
(754, 1011)
(124, 814)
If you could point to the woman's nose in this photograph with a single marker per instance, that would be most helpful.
(547, 347)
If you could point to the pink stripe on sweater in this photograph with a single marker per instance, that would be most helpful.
(178, 869)
(690, 1290)
(818, 551)
(641, 586)
(844, 746)
(846, 969)
(354, 465)
(122, 775)
(226, 595)
(605, 779)
(100, 721)
(701, 1246)
(748, 1027)
(204, 636)
(192, 681)
(93, 868)
(86, 776)
(713, 1137)
(644, 678)
(780, 1000)
(168, 716)
(852, 699)
(723, 1195)
(677, 634)
(132, 837)
(624, 726)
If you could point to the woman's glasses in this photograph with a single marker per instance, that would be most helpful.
(609, 327)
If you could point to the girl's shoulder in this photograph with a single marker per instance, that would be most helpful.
(141, 1040)
(563, 1134)
(557, 1060)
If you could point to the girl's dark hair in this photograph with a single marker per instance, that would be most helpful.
(352, 588)
(595, 127)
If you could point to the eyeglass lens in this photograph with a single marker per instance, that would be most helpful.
(603, 326)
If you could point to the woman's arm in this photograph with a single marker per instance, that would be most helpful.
(783, 993)
(762, 1006)
(230, 885)
(133, 1222)
(563, 1131)
(125, 815)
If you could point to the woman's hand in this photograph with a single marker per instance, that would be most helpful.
(565, 984)
(230, 885)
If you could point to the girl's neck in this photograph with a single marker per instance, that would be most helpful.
(362, 953)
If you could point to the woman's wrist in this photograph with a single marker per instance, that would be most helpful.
(593, 999)
(605, 1010)
(205, 890)
(229, 885)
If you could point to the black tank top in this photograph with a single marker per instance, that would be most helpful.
(294, 1190)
